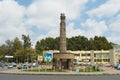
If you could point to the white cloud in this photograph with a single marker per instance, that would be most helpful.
(11, 20)
(114, 28)
(71, 31)
(94, 28)
(115, 24)
(114, 38)
(44, 14)
(110, 8)
(91, 28)
(16, 19)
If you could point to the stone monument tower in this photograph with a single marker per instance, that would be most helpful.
(63, 59)
(62, 34)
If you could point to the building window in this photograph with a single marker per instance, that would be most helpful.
(86, 60)
(106, 55)
(85, 54)
(106, 60)
(77, 54)
(98, 60)
(88, 54)
(98, 55)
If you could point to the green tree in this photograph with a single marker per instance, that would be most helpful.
(26, 44)
(17, 44)
(9, 46)
(17, 47)
(57, 43)
(19, 55)
(30, 55)
(74, 43)
(99, 43)
(27, 41)
(3, 51)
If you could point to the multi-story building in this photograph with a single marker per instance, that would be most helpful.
(116, 49)
(95, 57)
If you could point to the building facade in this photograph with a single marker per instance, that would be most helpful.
(101, 57)
(116, 49)
(94, 57)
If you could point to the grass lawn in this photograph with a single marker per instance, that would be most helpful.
(42, 70)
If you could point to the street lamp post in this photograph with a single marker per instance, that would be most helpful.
(23, 37)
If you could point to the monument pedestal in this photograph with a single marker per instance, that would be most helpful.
(63, 60)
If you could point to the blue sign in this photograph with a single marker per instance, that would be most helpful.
(48, 57)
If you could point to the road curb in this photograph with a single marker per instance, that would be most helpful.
(60, 74)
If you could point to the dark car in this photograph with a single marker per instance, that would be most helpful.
(24, 66)
(20, 67)
(1, 65)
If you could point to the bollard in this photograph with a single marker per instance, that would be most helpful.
(62, 68)
(77, 69)
(53, 68)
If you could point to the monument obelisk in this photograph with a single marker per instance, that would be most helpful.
(63, 59)
(62, 34)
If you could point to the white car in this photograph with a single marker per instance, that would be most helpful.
(14, 64)
(10, 65)
(35, 65)
(118, 67)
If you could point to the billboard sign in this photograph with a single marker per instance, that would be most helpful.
(40, 58)
(48, 57)
(8, 56)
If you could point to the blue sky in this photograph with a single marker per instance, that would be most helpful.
(41, 18)
(25, 3)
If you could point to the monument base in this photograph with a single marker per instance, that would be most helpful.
(63, 61)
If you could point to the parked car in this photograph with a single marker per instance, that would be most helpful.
(117, 67)
(6, 63)
(1, 65)
(14, 64)
(24, 66)
(35, 64)
(21, 67)
(10, 65)
(108, 65)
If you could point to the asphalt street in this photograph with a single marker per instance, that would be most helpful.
(6, 68)
(54, 76)
(58, 77)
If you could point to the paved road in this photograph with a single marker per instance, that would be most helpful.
(6, 68)
(58, 77)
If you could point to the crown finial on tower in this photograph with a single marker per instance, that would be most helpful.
(62, 16)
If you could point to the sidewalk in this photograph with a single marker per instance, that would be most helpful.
(107, 72)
